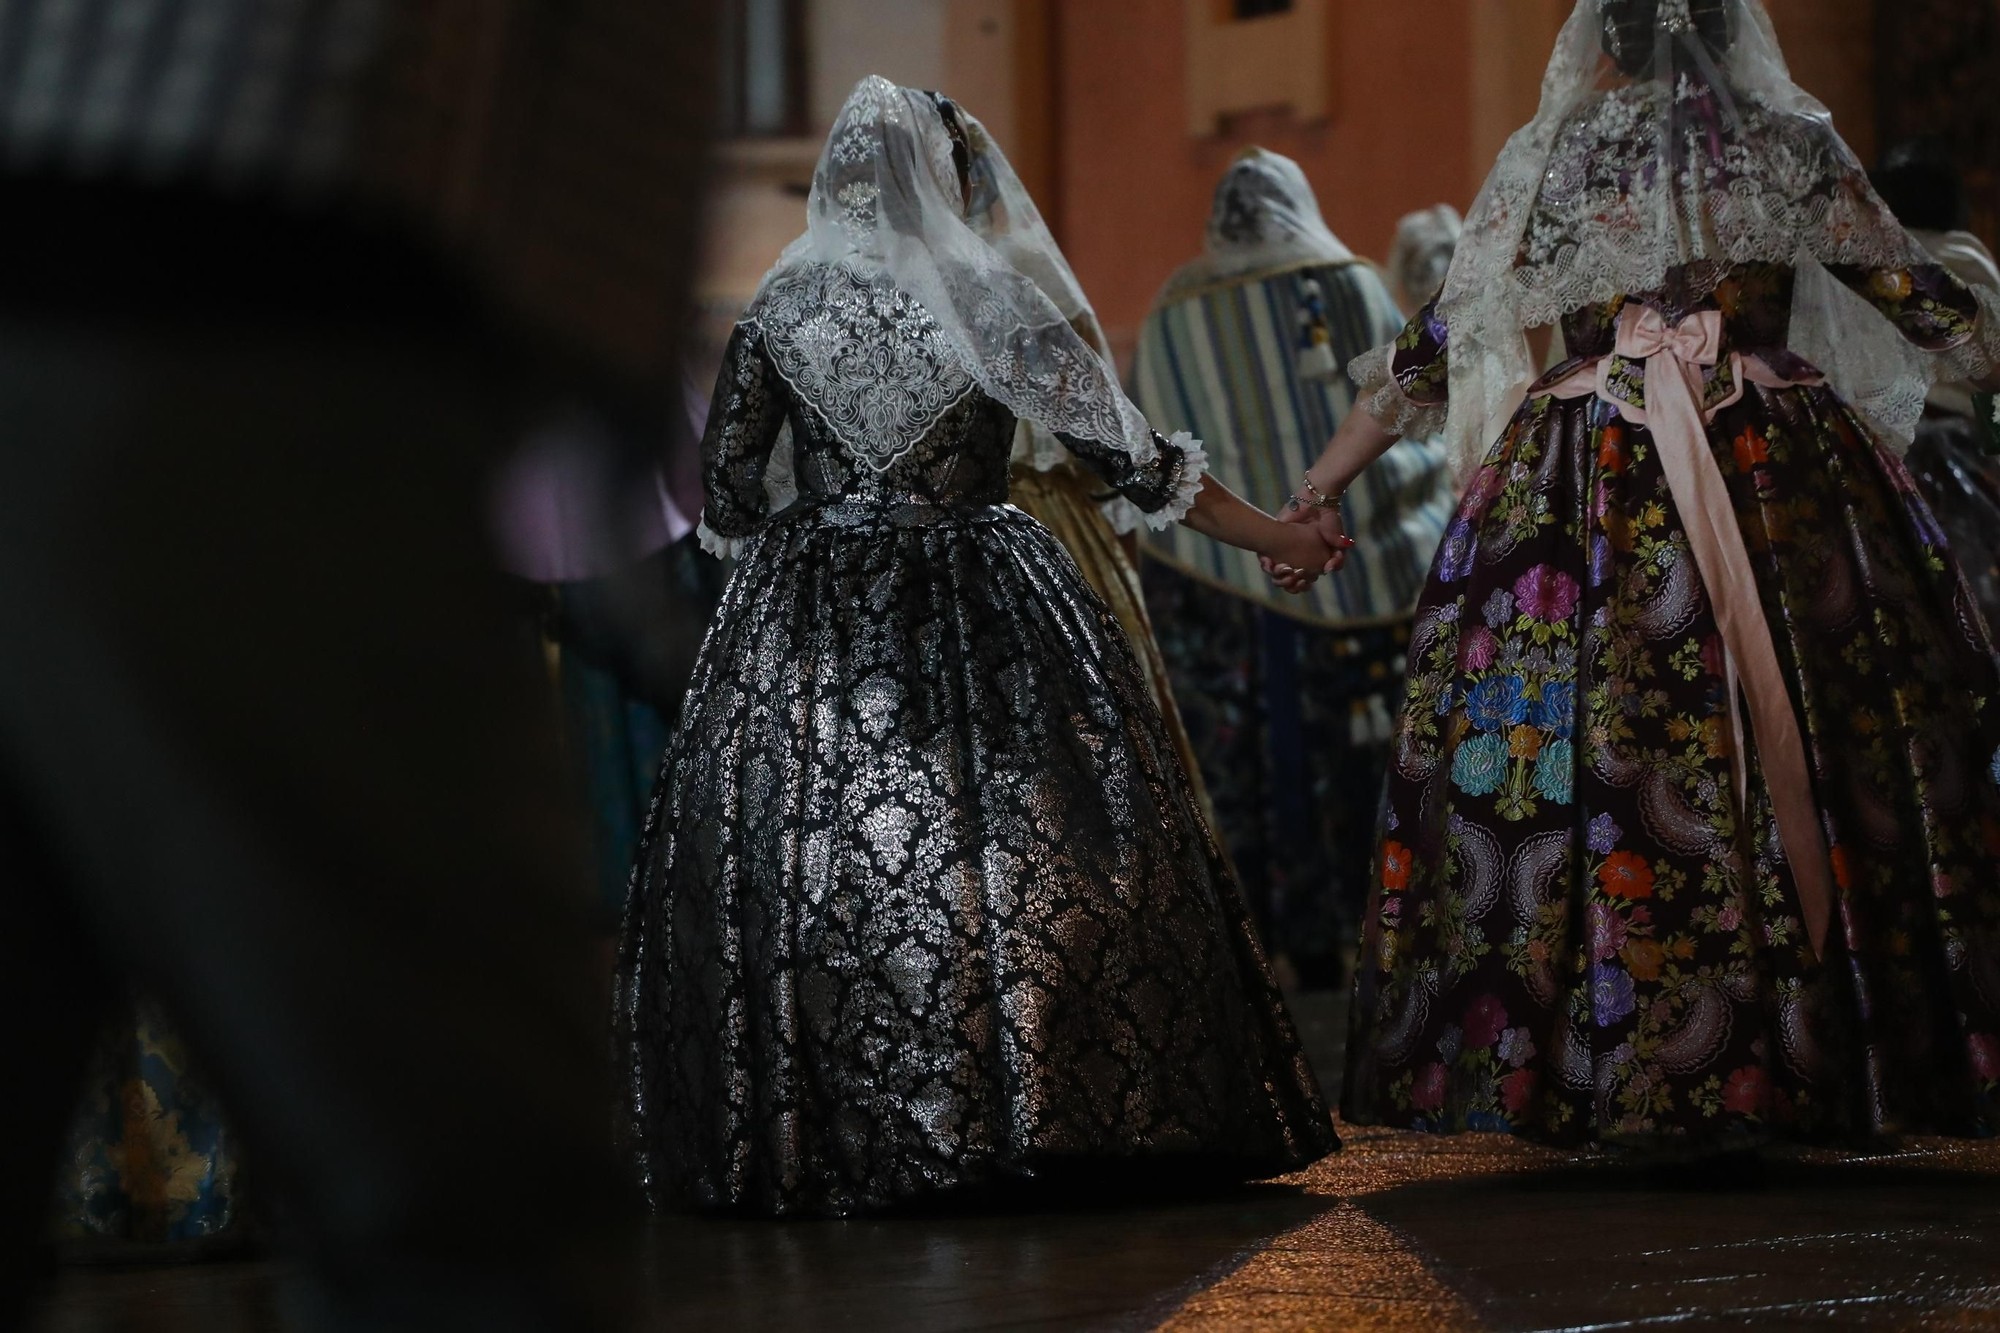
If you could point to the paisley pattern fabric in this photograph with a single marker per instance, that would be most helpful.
(924, 900)
(1579, 931)
(149, 1157)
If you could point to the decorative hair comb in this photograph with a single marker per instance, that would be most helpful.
(1673, 15)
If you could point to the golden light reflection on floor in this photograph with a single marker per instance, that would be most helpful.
(1345, 1269)
(1485, 1232)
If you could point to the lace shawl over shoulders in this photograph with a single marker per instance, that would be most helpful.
(863, 354)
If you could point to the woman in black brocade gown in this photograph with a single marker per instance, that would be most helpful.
(924, 901)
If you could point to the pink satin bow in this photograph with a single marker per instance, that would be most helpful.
(1644, 333)
(1675, 356)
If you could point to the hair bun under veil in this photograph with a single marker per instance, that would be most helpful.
(1632, 27)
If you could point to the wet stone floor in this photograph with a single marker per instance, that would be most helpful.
(1398, 1232)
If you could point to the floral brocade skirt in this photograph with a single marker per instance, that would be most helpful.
(1577, 933)
(924, 900)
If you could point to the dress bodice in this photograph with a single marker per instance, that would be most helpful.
(1755, 301)
(960, 461)
(798, 378)
(1407, 385)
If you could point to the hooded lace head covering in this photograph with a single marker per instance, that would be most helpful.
(1422, 253)
(1671, 144)
(1265, 220)
(891, 222)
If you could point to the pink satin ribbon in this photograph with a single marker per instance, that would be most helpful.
(1675, 358)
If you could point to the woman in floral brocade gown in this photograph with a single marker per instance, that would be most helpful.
(1691, 836)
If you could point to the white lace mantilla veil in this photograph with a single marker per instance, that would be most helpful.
(1002, 213)
(887, 223)
(1265, 220)
(1665, 179)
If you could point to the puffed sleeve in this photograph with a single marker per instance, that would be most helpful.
(1156, 492)
(1931, 308)
(1405, 385)
(744, 420)
(1928, 305)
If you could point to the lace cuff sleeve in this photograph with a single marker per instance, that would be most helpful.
(1155, 491)
(1405, 385)
(1186, 464)
(1381, 395)
(717, 545)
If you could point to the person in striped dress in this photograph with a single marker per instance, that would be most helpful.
(1288, 699)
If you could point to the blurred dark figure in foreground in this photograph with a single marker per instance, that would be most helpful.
(1954, 456)
(286, 279)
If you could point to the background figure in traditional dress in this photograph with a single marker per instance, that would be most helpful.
(1422, 253)
(1057, 492)
(151, 1166)
(1954, 458)
(1693, 833)
(1288, 699)
(621, 693)
(925, 902)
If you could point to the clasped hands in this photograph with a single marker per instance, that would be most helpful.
(1310, 542)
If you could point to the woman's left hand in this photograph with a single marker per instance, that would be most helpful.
(1327, 523)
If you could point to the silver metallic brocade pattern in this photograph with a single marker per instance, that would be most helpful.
(924, 901)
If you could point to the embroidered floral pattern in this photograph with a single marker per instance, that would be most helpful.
(1579, 932)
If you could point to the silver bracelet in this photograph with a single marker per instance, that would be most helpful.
(1315, 498)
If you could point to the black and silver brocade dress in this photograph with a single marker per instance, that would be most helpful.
(924, 901)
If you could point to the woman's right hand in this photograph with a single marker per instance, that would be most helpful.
(1325, 522)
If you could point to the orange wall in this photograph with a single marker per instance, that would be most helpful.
(1134, 188)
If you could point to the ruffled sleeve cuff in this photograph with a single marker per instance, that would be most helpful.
(1381, 395)
(1189, 464)
(717, 545)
